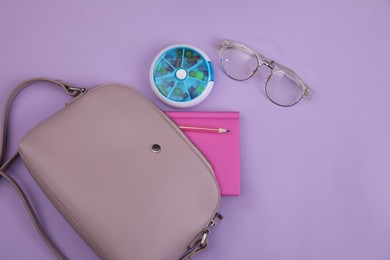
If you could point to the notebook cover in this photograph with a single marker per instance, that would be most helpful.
(221, 150)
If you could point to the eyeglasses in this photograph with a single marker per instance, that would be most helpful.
(283, 86)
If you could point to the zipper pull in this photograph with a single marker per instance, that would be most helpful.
(200, 242)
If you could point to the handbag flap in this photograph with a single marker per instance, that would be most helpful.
(94, 160)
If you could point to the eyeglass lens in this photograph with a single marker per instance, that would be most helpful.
(240, 63)
(283, 89)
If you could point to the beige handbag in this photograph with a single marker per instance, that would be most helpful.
(121, 173)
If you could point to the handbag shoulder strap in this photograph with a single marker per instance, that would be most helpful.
(69, 89)
(4, 164)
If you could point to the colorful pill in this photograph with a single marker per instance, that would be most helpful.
(199, 89)
(170, 69)
(179, 51)
(193, 94)
(171, 84)
(164, 71)
(162, 89)
(191, 89)
(193, 59)
(188, 54)
(178, 91)
(185, 95)
(206, 73)
(200, 75)
(178, 63)
(192, 74)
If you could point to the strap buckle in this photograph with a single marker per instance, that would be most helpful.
(72, 90)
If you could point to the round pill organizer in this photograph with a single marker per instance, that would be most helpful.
(181, 75)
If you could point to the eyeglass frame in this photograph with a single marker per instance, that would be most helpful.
(271, 64)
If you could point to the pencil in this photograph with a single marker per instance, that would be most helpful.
(204, 129)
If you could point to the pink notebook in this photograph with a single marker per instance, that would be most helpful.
(222, 150)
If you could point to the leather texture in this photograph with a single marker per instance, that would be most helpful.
(93, 159)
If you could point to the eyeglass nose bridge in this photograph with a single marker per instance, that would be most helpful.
(267, 62)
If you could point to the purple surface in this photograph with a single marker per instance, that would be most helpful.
(315, 177)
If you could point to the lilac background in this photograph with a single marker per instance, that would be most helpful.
(315, 177)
